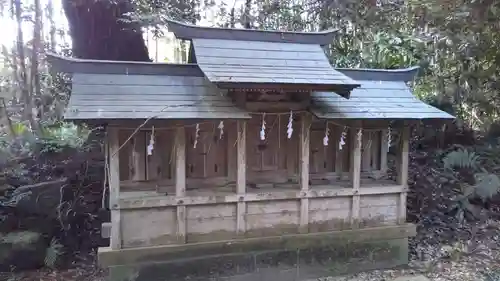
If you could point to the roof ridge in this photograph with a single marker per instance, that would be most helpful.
(378, 74)
(190, 31)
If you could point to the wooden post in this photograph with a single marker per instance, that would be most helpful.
(403, 163)
(139, 156)
(357, 142)
(180, 182)
(241, 176)
(339, 154)
(231, 132)
(375, 149)
(384, 149)
(153, 163)
(114, 186)
(366, 153)
(292, 155)
(305, 130)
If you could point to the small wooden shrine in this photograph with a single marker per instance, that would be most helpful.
(256, 139)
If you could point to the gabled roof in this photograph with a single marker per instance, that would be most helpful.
(239, 58)
(383, 94)
(138, 90)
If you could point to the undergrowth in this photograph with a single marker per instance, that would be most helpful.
(475, 176)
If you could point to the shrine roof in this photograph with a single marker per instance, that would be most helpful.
(384, 94)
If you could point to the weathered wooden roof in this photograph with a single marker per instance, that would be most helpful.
(239, 58)
(383, 94)
(188, 32)
(114, 90)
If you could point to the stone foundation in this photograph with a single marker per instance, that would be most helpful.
(287, 258)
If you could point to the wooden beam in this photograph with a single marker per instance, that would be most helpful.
(357, 142)
(241, 177)
(324, 191)
(305, 133)
(114, 186)
(180, 181)
(189, 31)
(263, 106)
(403, 164)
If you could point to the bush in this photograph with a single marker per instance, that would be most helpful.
(465, 167)
(52, 185)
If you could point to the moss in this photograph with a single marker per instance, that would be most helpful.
(335, 259)
(123, 273)
(336, 239)
(20, 239)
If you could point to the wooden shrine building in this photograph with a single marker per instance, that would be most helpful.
(256, 146)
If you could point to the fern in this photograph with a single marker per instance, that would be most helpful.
(53, 252)
(461, 158)
(487, 185)
(476, 182)
(493, 275)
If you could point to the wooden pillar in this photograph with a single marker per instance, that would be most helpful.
(339, 154)
(375, 149)
(139, 156)
(305, 130)
(366, 153)
(357, 142)
(114, 186)
(292, 155)
(384, 149)
(232, 138)
(180, 182)
(403, 163)
(241, 176)
(153, 161)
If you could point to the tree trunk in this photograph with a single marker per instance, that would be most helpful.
(21, 56)
(100, 30)
(52, 33)
(35, 89)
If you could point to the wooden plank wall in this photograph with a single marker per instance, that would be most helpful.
(273, 160)
(135, 164)
(220, 221)
(180, 218)
(331, 159)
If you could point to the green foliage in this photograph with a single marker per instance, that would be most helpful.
(64, 134)
(22, 239)
(462, 159)
(53, 253)
(493, 275)
(485, 184)
(51, 138)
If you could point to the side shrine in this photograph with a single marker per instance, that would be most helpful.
(256, 154)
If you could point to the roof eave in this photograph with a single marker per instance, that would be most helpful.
(188, 32)
(444, 117)
(343, 90)
(74, 65)
(366, 74)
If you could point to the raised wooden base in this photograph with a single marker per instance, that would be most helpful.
(289, 257)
